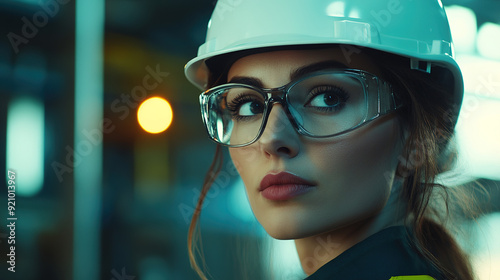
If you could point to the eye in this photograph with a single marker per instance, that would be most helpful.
(245, 106)
(251, 108)
(327, 98)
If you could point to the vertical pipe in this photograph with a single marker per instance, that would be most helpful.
(89, 36)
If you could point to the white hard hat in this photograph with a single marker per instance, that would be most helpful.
(417, 29)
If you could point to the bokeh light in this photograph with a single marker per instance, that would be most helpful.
(25, 142)
(155, 115)
(488, 40)
(463, 25)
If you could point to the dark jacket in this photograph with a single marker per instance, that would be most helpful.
(381, 256)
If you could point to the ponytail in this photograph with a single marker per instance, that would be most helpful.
(429, 118)
(441, 248)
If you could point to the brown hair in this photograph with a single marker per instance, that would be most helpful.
(429, 116)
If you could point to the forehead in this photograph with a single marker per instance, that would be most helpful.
(280, 64)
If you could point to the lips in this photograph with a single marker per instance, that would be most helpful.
(284, 186)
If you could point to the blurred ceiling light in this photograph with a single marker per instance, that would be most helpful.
(478, 128)
(481, 76)
(155, 115)
(463, 26)
(478, 136)
(488, 40)
(25, 144)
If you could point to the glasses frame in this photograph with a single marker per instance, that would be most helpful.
(279, 95)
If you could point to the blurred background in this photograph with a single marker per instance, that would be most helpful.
(104, 192)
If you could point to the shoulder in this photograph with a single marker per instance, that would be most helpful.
(383, 255)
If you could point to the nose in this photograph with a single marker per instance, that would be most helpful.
(279, 138)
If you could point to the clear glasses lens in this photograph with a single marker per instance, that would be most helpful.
(320, 105)
(328, 104)
(236, 114)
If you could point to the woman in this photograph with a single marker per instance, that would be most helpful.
(337, 115)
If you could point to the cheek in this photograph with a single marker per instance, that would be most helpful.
(244, 159)
(356, 173)
(370, 152)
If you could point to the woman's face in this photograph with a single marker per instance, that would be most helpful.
(337, 181)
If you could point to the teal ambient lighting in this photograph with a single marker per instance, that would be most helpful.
(89, 36)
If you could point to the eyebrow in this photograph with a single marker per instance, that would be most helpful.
(294, 75)
(323, 65)
(247, 81)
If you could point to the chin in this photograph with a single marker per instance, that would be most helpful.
(280, 235)
(292, 228)
(297, 225)
(281, 230)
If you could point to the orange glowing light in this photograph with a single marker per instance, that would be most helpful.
(155, 115)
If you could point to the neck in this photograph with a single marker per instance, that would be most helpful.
(315, 251)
